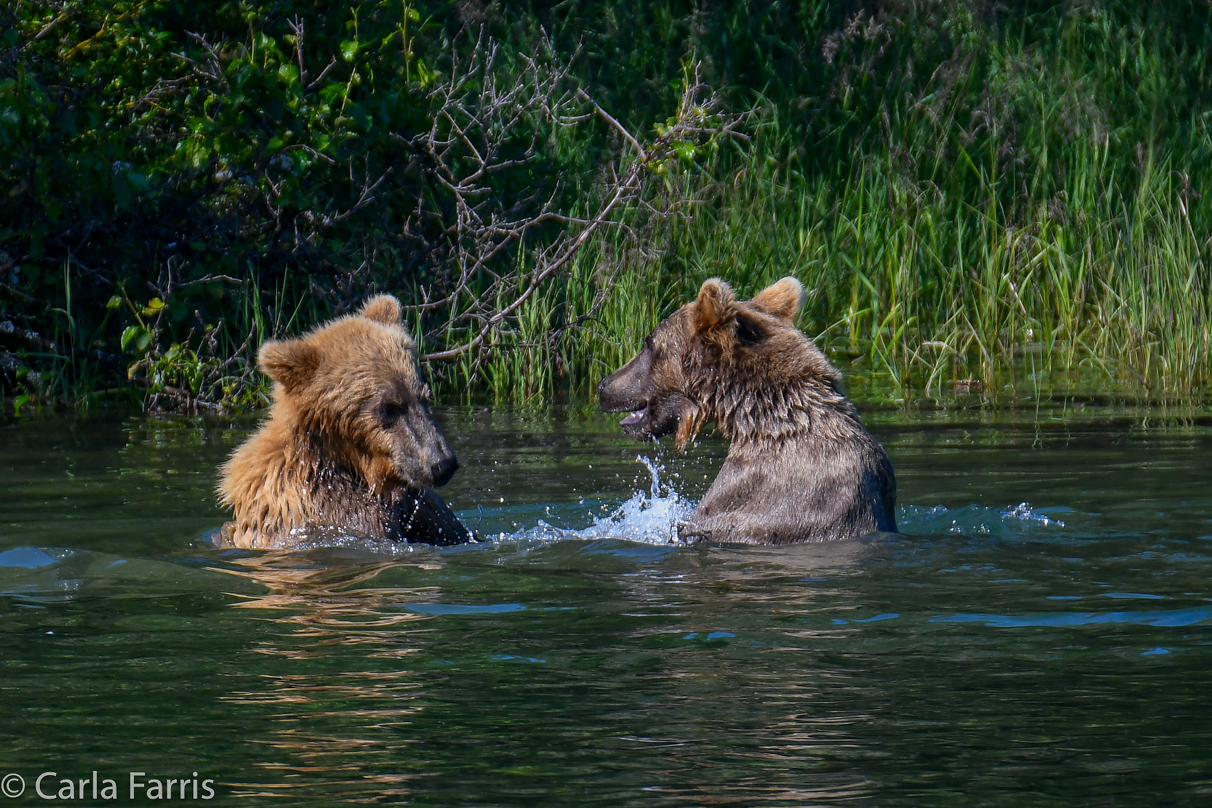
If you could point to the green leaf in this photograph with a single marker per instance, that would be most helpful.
(424, 75)
(686, 151)
(197, 152)
(333, 93)
(130, 334)
(349, 50)
(113, 303)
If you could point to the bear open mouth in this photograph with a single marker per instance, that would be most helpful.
(635, 417)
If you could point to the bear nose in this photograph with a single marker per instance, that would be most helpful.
(443, 470)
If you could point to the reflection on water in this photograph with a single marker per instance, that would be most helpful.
(1040, 633)
(323, 721)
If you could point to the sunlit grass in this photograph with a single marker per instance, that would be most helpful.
(1069, 256)
(1091, 287)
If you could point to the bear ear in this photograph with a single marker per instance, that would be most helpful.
(782, 299)
(715, 305)
(292, 363)
(382, 309)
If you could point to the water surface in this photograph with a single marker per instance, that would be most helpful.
(1041, 633)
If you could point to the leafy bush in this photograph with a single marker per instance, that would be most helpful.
(234, 170)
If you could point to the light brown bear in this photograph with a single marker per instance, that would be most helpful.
(800, 466)
(349, 442)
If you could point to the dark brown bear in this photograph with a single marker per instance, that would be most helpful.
(800, 467)
(349, 442)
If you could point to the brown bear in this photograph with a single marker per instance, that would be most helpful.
(800, 466)
(349, 442)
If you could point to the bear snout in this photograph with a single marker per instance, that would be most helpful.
(617, 393)
(443, 470)
(605, 394)
(629, 388)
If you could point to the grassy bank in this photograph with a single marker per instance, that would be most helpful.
(1096, 288)
(978, 198)
(1032, 216)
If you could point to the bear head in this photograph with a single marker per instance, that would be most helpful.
(354, 386)
(711, 355)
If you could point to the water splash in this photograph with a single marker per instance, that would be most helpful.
(1017, 521)
(1024, 511)
(650, 518)
(647, 517)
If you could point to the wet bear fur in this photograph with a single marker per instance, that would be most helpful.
(800, 465)
(349, 442)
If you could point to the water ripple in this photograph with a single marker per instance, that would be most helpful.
(1174, 617)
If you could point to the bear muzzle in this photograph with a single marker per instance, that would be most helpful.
(443, 470)
(635, 422)
(626, 391)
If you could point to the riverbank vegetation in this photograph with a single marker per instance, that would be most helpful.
(979, 197)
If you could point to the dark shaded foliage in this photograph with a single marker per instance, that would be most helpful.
(203, 175)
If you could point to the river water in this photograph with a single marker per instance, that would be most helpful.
(1039, 633)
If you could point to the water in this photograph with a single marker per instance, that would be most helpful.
(1040, 634)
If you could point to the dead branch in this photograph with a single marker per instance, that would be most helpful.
(484, 127)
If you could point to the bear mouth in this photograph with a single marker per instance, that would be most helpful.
(635, 417)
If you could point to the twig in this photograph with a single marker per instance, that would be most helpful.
(635, 144)
(482, 128)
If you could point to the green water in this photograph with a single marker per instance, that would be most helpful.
(1040, 635)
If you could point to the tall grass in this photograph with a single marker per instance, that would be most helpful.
(1102, 285)
(1031, 217)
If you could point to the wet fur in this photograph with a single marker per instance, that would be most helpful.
(800, 466)
(349, 441)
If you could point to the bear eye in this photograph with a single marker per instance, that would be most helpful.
(391, 412)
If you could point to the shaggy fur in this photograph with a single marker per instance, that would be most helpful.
(349, 442)
(800, 467)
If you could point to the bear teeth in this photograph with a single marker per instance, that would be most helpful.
(635, 417)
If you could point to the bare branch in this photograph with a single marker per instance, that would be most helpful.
(296, 28)
(483, 129)
(606, 116)
(323, 73)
